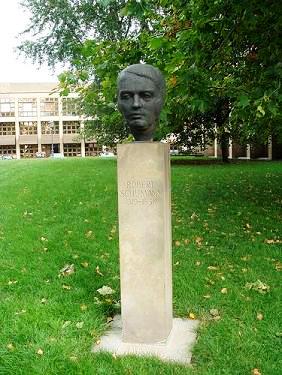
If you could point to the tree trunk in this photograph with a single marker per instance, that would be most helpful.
(225, 147)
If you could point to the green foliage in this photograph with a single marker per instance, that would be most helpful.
(214, 55)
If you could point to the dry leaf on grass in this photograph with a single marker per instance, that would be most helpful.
(213, 268)
(259, 316)
(39, 352)
(98, 271)
(88, 234)
(272, 241)
(256, 371)
(258, 286)
(105, 290)
(67, 270)
(83, 307)
(66, 287)
(66, 323)
(198, 241)
(215, 314)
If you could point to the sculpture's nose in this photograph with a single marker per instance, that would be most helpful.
(136, 101)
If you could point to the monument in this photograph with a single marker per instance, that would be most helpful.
(146, 326)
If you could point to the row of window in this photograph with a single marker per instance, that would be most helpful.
(29, 151)
(30, 127)
(27, 107)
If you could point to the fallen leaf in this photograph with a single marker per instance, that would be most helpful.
(88, 234)
(84, 264)
(194, 216)
(83, 307)
(177, 243)
(20, 312)
(43, 239)
(73, 358)
(11, 282)
(207, 296)
(67, 270)
(39, 352)
(198, 263)
(258, 286)
(186, 241)
(192, 316)
(278, 266)
(224, 291)
(213, 268)
(43, 300)
(215, 314)
(198, 241)
(272, 241)
(66, 323)
(105, 290)
(259, 316)
(66, 287)
(256, 371)
(10, 347)
(98, 271)
(79, 325)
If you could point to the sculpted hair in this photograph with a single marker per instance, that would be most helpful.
(146, 71)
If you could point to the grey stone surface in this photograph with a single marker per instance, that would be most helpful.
(145, 241)
(177, 347)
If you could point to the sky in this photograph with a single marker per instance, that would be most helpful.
(15, 68)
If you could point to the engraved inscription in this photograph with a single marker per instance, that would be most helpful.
(140, 192)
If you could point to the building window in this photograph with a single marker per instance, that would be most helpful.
(48, 127)
(28, 127)
(27, 107)
(7, 107)
(91, 149)
(7, 128)
(71, 127)
(28, 151)
(8, 150)
(70, 107)
(72, 149)
(49, 107)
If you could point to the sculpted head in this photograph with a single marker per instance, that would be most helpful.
(141, 92)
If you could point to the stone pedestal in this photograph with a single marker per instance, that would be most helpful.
(145, 242)
(146, 327)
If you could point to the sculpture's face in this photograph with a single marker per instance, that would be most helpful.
(140, 102)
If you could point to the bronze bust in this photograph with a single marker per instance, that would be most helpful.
(141, 92)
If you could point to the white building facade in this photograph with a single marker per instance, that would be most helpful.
(36, 121)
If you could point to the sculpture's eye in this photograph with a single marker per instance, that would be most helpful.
(125, 95)
(147, 95)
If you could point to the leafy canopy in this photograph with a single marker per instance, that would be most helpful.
(221, 60)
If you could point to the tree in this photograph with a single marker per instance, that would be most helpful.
(221, 59)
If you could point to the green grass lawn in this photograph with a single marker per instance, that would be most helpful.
(227, 239)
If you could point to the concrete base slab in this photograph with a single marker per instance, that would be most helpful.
(177, 348)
